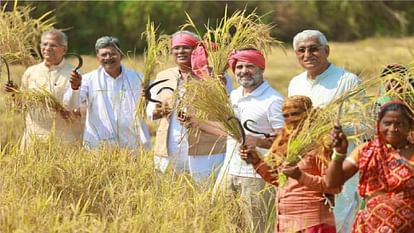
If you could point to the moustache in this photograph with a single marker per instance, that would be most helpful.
(108, 61)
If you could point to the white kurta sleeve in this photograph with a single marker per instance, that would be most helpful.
(73, 98)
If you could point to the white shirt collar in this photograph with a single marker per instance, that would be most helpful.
(109, 76)
(258, 91)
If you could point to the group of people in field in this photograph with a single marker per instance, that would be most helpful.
(319, 189)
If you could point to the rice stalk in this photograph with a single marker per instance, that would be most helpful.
(208, 100)
(18, 23)
(157, 49)
(400, 86)
(66, 188)
(355, 117)
(40, 99)
(240, 30)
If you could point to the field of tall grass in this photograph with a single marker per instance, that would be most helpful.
(61, 188)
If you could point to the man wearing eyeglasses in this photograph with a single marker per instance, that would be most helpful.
(51, 75)
(324, 82)
(110, 93)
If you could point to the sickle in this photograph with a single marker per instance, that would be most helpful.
(80, 61)
(148, 90)
(165, 88)
(245, 125)
(9, 81)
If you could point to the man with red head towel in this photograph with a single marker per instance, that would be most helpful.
(254, 100)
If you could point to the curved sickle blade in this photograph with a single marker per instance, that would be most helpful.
(246, 126)
(243, 134)
(148, 90)
(80, 61)
(9, 81)
(165, 88)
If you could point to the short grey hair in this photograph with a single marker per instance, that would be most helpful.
(107, 41)
(61, 35)
(306, 34)
(186, 32)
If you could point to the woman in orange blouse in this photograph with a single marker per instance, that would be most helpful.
(386, 167)
(301, 202)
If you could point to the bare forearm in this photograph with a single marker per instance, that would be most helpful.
(264, 171)
(335, 174)
(264, 143)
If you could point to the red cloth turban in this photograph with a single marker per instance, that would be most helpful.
(252, 56)
(183, 38)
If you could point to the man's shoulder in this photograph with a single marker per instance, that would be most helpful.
(273, 93)
(345, 74)
(298, 78)
(133, 73)
(34, 67)
(91, 73)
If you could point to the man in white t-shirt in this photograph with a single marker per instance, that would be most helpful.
(324, 82)
(254, 100)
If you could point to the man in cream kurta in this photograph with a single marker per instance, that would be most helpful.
(52, 75)
(54, 79)
(111, 94)
(183, 150)
(194, 151)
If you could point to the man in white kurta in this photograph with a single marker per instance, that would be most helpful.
(111, 94)
(324, 82)
(51, 75)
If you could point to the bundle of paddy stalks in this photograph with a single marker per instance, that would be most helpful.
(208, 99)
(39, 100)
(352, 111)
(241, 30)
(156, 51)
(20, 33)
(397, 82)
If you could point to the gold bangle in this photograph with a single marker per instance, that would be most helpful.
(336, 156)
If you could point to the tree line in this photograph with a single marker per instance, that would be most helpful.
(85, 21)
